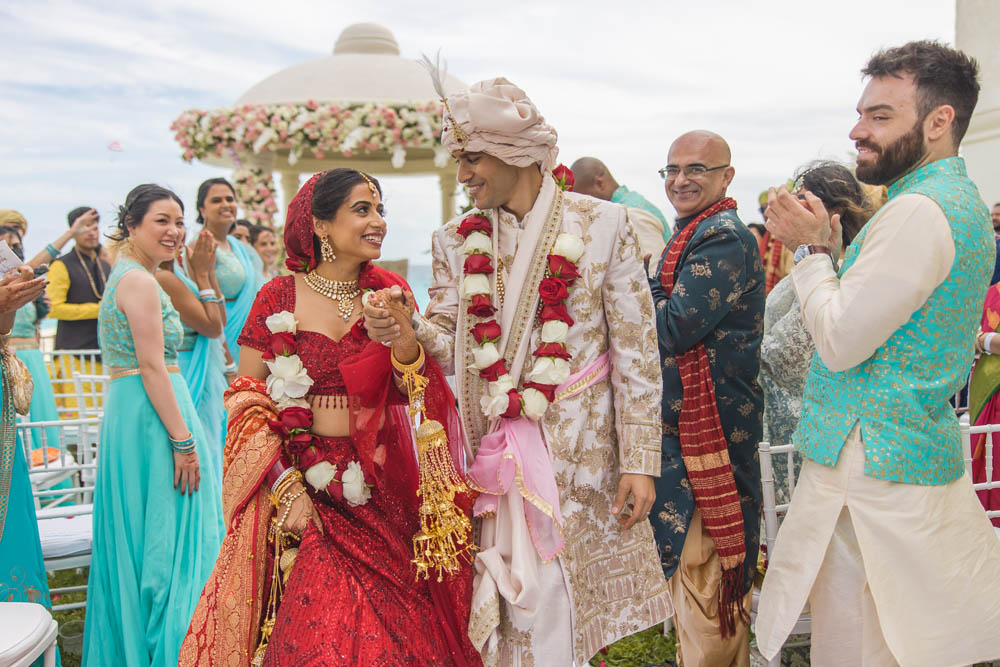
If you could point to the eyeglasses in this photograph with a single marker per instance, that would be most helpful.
(669, 172)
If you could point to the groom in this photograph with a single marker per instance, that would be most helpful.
(540, 307)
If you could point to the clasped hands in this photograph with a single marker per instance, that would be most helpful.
(388, 314)
(799, 221)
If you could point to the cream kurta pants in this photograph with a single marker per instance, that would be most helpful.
(694, 588)
(892, 571)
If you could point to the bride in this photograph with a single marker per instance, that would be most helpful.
(321, 475)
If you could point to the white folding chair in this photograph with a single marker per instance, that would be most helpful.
(63, 366)
(65, 530)
(990, 483)
(27, 630)
(772, 513)
(90, 392)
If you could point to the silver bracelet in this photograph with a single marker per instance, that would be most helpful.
(281, 477)
(231, 367)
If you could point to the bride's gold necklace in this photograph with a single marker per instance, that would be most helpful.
(342, 291)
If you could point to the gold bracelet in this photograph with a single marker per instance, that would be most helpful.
(279, 494)
(408, 368)
(287, 502)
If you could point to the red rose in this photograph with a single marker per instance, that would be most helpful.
(475, 223)
(564, 177)
(548, 389)
(282, 344)
(552, 350)
(514, 405)
(291, 419)
(553, 290)
(298, 444)
(563, 268)
(486, 331)
(478, 263)
(555, 311)
(309, 457)
(491, 373)
(481, 306)
(336, 488)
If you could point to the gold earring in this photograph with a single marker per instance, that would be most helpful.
(326, 250)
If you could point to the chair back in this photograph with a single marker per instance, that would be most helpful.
(773, 510)
(988, 430)
(63, 366)
(90, 392)
(71, 457)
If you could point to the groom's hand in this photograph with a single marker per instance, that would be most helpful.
(643, 493)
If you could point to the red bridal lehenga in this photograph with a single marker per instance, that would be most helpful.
(353, 596)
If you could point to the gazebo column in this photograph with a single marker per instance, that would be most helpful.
(448, 184)
(289, 186)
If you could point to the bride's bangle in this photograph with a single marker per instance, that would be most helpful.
(401, 369)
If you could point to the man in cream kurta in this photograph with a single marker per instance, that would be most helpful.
(603, 443)
(885, 535)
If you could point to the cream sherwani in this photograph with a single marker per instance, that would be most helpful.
(605, 584)
(895, 573)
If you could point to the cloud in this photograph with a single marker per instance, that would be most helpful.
(779, 80)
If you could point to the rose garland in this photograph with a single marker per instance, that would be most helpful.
(287, 384)
(551, 366)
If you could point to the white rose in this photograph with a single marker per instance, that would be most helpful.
(288, 378)
(485, 356)
(569, 246)
(320, 475)
(285, 402)
(477, 242)
(280, 322)
(549, 370)
(555, 331)
(501, 385)
(494, 406)
(475, 283)
(356, 492)
(535, 403)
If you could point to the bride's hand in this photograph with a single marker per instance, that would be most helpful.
(301, 512)
(388, 316)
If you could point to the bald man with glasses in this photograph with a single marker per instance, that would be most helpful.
(708, 290)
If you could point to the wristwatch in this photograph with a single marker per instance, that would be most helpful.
(807, 249)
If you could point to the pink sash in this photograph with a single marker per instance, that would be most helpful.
(517, 452)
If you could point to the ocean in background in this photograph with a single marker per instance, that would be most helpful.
(418, 275)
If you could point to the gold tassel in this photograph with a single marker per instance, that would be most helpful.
(444, 538)
(284, 559)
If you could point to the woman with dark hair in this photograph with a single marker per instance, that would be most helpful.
(157, 522)
(242, 230)
(237, 267)
(265, 242)
(787, 348)
(320, 452)
(189, 280)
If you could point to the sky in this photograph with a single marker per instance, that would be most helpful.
(619, 81)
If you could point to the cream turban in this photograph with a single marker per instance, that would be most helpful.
(9, 216)
(497, 118)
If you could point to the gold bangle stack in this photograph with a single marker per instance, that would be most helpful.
(409, 368)
(279, 496)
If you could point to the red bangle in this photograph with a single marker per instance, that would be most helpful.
(272, 475)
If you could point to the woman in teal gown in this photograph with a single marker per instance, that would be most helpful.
(157, 512)
(22, 570)
(189, 281)
(237, 266)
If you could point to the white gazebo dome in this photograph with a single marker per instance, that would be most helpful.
(364, 106)
(365, 66)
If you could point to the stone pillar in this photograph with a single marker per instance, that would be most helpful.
(289, 186)
(975, 33)
(448, 185)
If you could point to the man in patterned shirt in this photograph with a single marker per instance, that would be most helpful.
(709, 296)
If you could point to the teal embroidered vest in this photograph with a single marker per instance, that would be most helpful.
(900, 394)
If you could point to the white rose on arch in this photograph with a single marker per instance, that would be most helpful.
(555, 331)
(281, 322)
(475, 283)
(320, 475)
(569, 246)
(549, 370)
(288, 378)
(356, 491)
(477, 242)
(535, 403)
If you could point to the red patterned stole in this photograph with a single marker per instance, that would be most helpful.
(771, 251)
(704, 448)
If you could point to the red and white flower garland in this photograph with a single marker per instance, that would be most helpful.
(551, 366)
(287, 385)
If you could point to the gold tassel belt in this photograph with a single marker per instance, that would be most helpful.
(126, 372)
